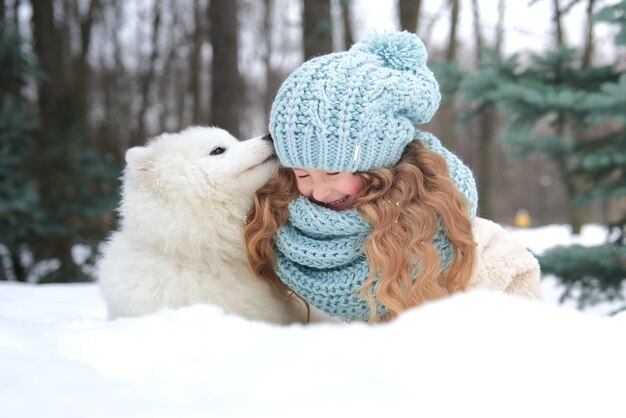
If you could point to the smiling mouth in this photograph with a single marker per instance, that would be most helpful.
(336, 204)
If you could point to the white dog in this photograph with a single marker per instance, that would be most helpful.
(184, 203)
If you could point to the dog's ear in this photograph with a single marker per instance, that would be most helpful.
(138, 158)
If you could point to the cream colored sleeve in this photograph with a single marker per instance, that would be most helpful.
(502, 263)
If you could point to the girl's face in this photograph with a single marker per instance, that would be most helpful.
(333, 189)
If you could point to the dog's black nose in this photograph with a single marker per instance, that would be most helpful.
(268, 137)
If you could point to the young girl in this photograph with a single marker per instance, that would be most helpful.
(368, 215)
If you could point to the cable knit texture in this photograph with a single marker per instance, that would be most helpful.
(320, 255)
(355, 110)
(502, 264)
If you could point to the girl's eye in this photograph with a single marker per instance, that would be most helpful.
(217, 151)
(332, 174)
(303, 176)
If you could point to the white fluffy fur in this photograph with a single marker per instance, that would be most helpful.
(180, 240)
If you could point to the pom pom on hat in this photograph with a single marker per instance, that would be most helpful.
(401, 50)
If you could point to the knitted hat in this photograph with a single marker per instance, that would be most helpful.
(355, 110)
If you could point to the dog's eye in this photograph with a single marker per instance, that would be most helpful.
(217, 151)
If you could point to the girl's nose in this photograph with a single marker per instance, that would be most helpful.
(321, 192)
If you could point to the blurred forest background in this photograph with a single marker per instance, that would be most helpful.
(83, 80)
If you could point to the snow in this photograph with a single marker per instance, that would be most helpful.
(477, 354)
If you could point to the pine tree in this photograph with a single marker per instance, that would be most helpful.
(576, 116)
(75, 179)
(55, 189)
(599, 273)
(20, 206)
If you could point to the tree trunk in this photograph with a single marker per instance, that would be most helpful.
(10, 84)
(48, 47)
(454, 23)
(16, 17)
(487, 123)
(317, 28)
(270, 76)
(578, 215)
(558, 24)
(121, 112)
(226, 82)
(147, 80)
(18, 268)
(57, 130)
(348, 39)
(195, 63)
(447, 111)
(575, 215)
(500, 27)
(478, 36)
(588, 48)
(82, 71)
(409, 12)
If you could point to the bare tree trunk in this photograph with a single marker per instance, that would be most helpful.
(500, 27)
(270, 76)
(452, 38)
(9, 84)
(317, 28)
(147, 79)
(180, 103)
(47, 41)
(68, 74)
(56, 121)
(226, 82)
(447, 112)
(576, 215)
(123, 106)
(558, 24)
(82, 71)
(486, 132)
(409, 12)
(478, 36)
(16, 17)
(195, 63)
(178, 75)
(588, 49)
(348, 39)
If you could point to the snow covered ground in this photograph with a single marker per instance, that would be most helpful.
(479, 354)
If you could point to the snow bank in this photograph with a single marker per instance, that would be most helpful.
(478, 354)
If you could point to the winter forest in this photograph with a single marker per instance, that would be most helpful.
(534, 101)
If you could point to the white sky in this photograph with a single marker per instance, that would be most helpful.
(527, 28)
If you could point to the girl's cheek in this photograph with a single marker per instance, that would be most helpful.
(303, 189)
(356, 186)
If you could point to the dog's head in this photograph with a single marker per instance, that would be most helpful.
(200, 162)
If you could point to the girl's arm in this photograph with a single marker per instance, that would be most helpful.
(502, 263)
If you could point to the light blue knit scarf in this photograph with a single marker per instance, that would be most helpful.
(320, 255)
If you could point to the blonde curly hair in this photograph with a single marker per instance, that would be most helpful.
(404, 205)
